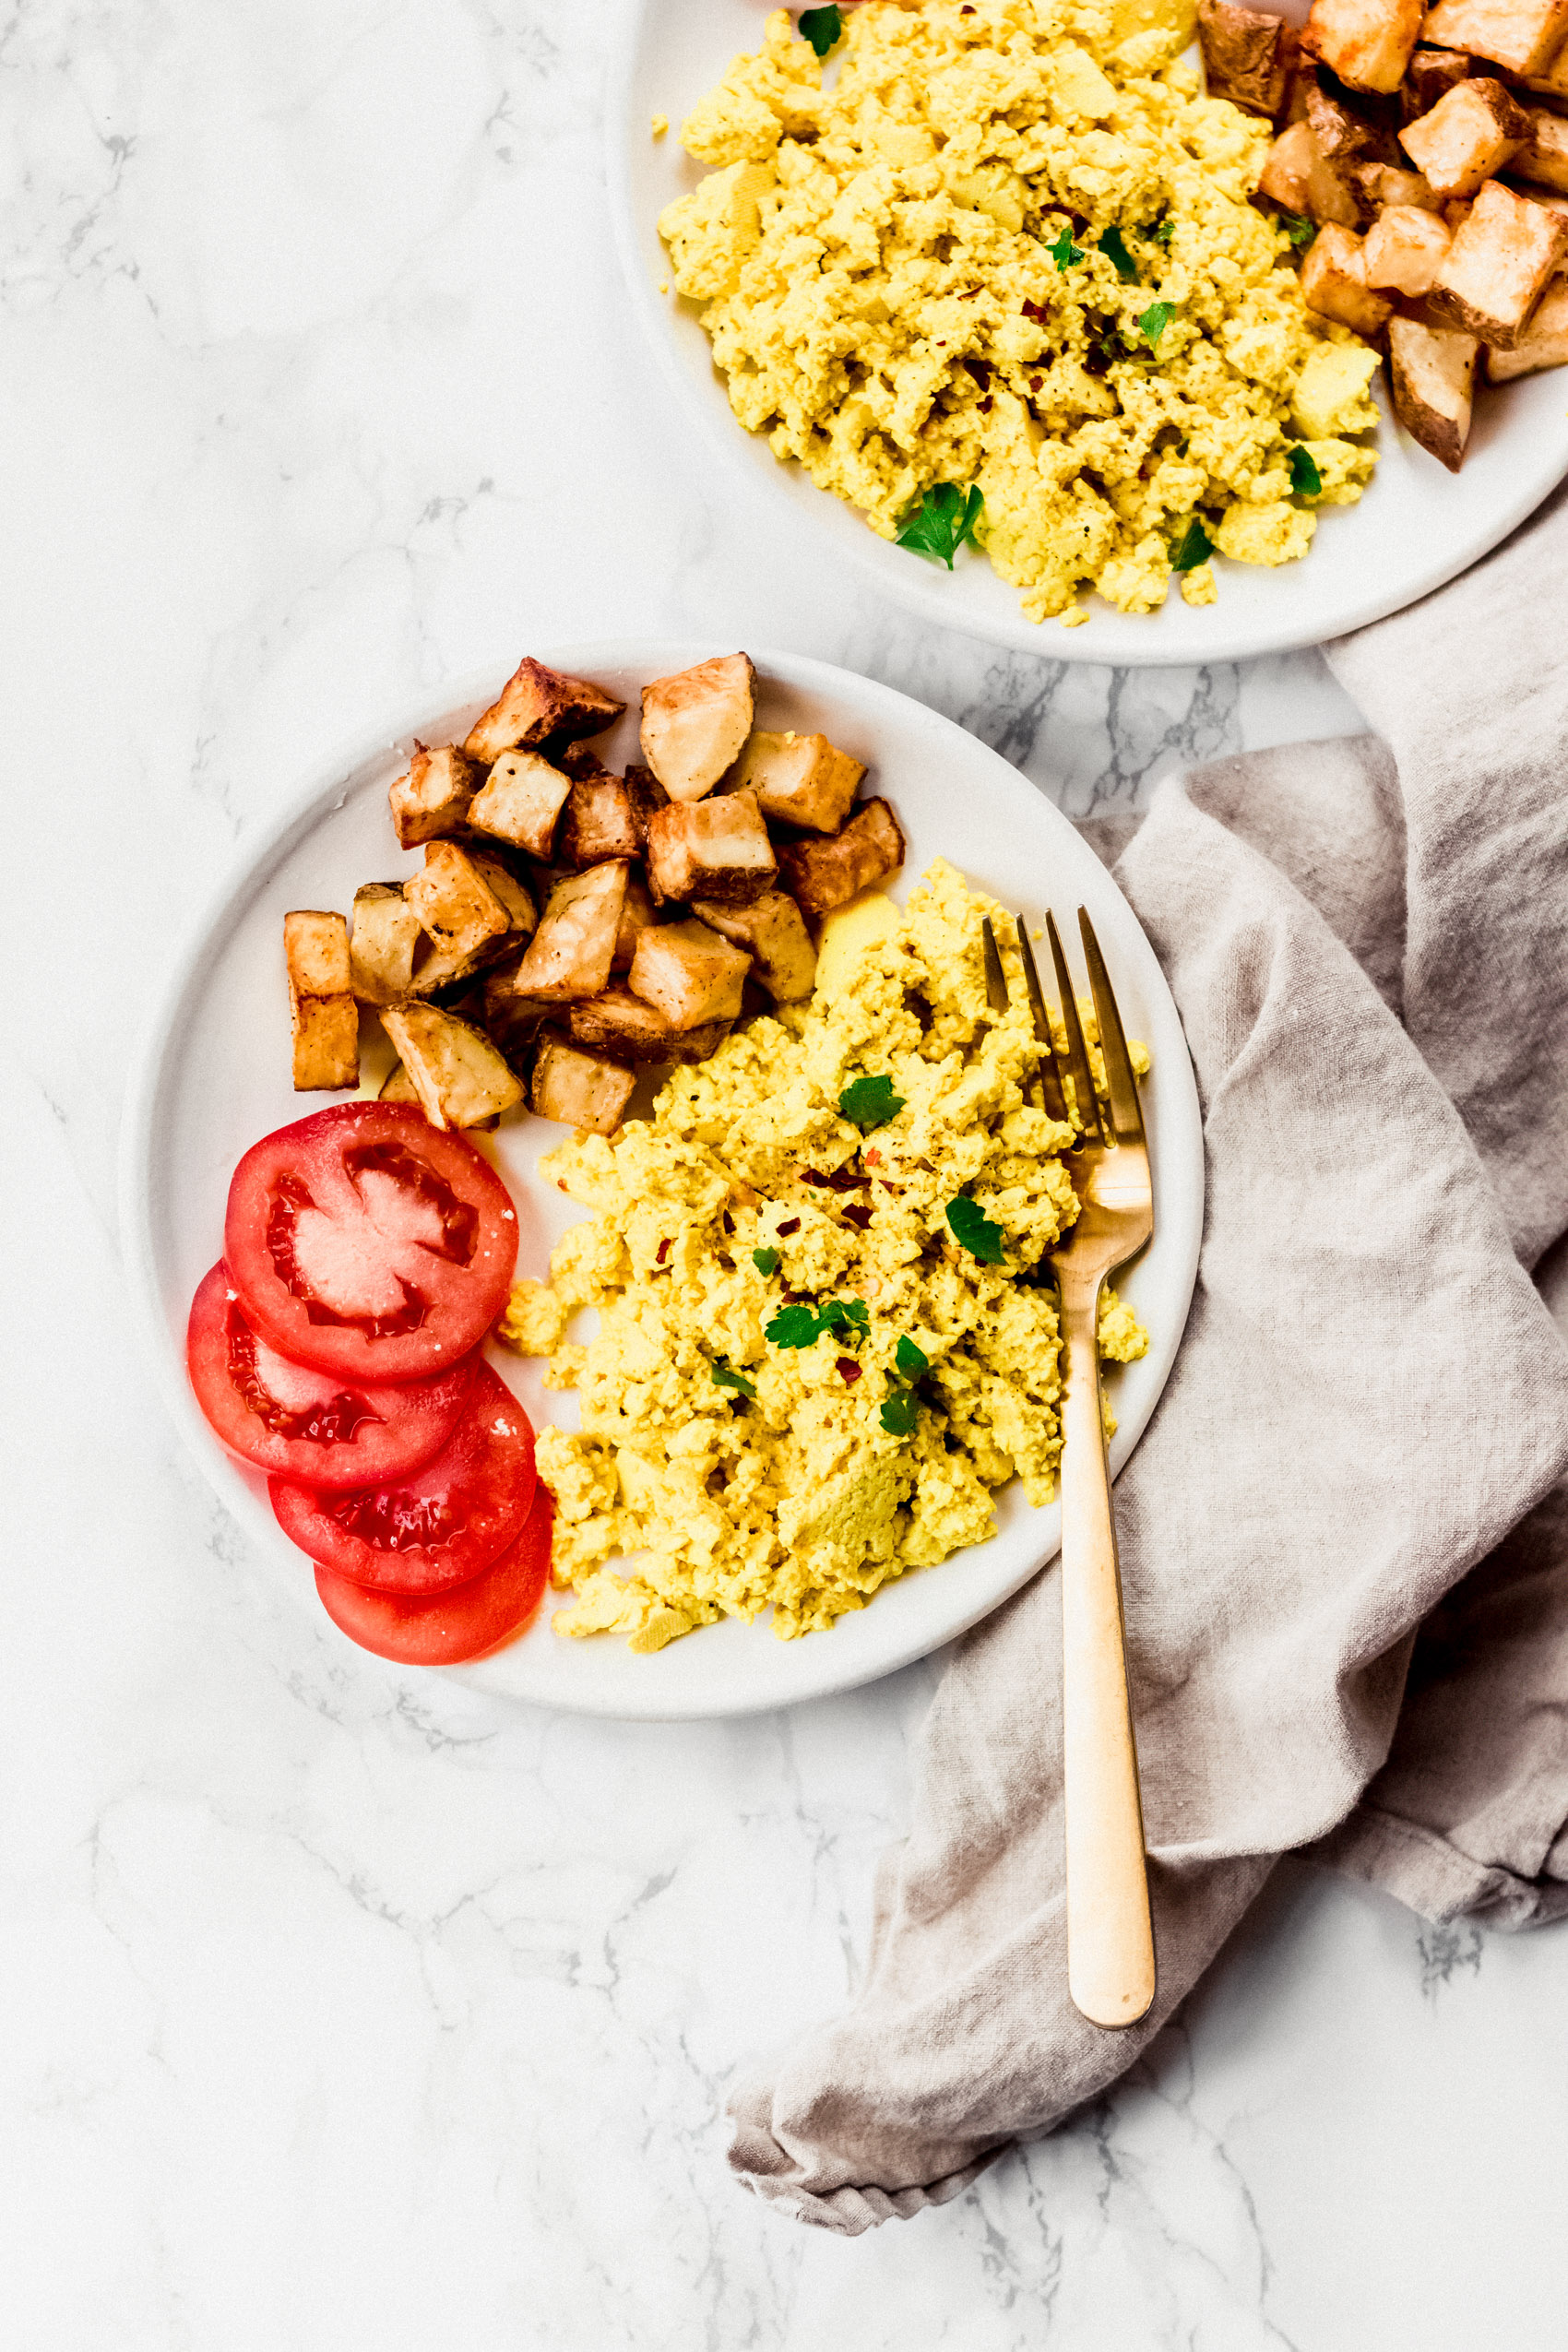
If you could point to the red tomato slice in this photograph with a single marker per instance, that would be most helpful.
(368, 1243)
(295, 1423)
(466, 1623)
(442, 1524)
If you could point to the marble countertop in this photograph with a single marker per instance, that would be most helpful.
(342, 2010)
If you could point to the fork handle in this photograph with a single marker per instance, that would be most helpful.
(1110, 1970)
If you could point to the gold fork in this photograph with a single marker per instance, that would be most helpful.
(1110, 1970)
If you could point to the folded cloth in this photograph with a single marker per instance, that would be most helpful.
(1344, 1536)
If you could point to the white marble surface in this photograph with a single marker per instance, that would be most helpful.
(341, 2012)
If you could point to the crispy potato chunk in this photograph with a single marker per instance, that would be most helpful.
(574, 945)
(628, 1030)
(1334, 282)
(1380, 183)
(773, 931)
(799, 780)
(432, 798)
(1544, 156)
(1522, 35)
(1430, 75)
(1468, 136)
(520, 802)
(456, 1072)
(1544, 342)
(599, 824)
(820, 875)
(636, 913)
(513, 894)
(695, 723)
(1405, 249)
(1366, 42)
(583, 1090)
(689, 974)
(716, 849)
(537, 703)
(1298, 176)
(455, 903)
(1247, 55)
(1433, 372)
(387, 935)
(647, 795)
(323, 1016)
(512, 1022)
(398, 1087)
(1344, 135)
(580, 761)
(1498, 265)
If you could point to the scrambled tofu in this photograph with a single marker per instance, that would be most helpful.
(1010, 244)
(803, 1384)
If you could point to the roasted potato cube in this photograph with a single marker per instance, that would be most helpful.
(689, 974)
(716, 849)
(455, 903)
(433, 799)
(1246, 55)
(1553, 80)
(1298, 176)
(1430, 75)
(323, 1014)
(1498, 265)
(621, 1024)
(695, 723)
(820, 875)
(647, 795)
(1468, 136)
(398, 1085)
(599, 824)
(1405, 249)
(1366, 42)
(636, 913)
(513, 894)
(1344, 135)
(1544, 156)
(1380, 183)
(580, 761)
(1544, 342)
(387, 935)
(512, 1022)
(456, 1073)
(1432, 373)
(520, 800)
(572, 951)
(1523, 36)
(773, 931)
(537, 703)
(799, 780)
(583, 1090)
(1334, 282)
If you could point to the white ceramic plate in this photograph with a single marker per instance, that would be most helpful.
(1417, 527)
(213, 1078)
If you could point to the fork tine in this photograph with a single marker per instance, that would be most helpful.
(1126, 1114)
(996, 978)
(1052, 1088)
(1084, 1095)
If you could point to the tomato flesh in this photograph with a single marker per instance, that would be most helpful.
(369, 1245)
(466, 1623)
(282, 1418)
(440, 1526)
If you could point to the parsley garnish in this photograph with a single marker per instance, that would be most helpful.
(803, 1326)
(1162, 234)
(823, 28)
(899, 1414)
(943, 521)
(911, 1361)
(1305, 479)
(1197, 548)
(974, 1230)
(870, 1102)
(1112, 246)
(901, 1411)
(723, 1377)
(1300, 231)
(1064, 253)
(766, 1260)
(848, 1318)
(1155, 321)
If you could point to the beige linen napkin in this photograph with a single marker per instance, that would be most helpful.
(1345, 1566)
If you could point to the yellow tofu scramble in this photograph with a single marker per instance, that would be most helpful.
(823, 1343)
(1011, 245)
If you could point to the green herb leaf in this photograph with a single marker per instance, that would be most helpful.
(848, 1317)
(1115, 250)
(723, 1377)
(1162, 234)
(942, 522)
(1300, 231)
(1197, 548)
(793, 1327)
(824, 28)
(871, 1102)
(899, 1414)
(1064, 253)
(911, 1361)
(1154, 322)
(1305, 479)
(974, 1230)
(766, 1260)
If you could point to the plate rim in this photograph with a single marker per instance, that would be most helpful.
(202, 940)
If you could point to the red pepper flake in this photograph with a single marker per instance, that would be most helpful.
(728, 1222)
(984, 406)
(791, 1225)
(980, 372)
(664, 1253)
(848, 1370)
(1036, 311)
(872, 1158)
(843, 1180)
(858, 1216)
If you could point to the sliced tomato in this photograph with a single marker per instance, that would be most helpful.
(439, 1526)
(296, 1423)
(465, 1623)
(370, 1244)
